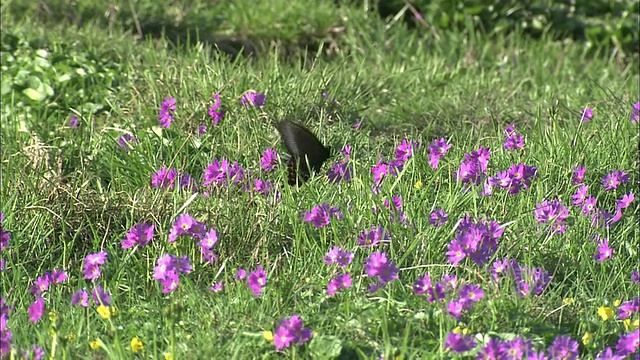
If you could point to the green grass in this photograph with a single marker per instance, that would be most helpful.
(67, 193)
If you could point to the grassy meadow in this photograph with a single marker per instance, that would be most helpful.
(480, 201)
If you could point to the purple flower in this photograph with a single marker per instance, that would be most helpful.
(217, 287)
(164, 178)
(202, 129)
(474, 166)
(635, 113)
(74, 122)
(589, 205)
(422, 285)
(167, 271)
(628, 344)
(578, 175)
(614, 178)
(580, 195)
(478, 240)
(404, 151)
(628, 308)
(608, 354)
(36, 309)
(377, 265)
(219, 173)
(492, 350)
(339, 256)
(459, 343)
(185, 224)
(5, 236)
(635, 277)
(80, 298)
(257, 280)
(125, 140)
(139, 234)
(265, 187)
(587, 114)
(470, 294)
(253, 98)
(554, 213)
(512, 140)
(340, 171)
(625, 201)
(101, 296)
(59, 276)
(291, 331)
(215, 112)
(563, 347)
(241, 274)
(269, 160)
(437, 150)
(517, 348)
(373, 236)
(36, 350)
(321, 214)
(438, 217)
(92, 263)
(339, 282)
(166, 111)
(604, 251)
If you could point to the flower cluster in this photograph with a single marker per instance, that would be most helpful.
(616, 177)
(166, 179)
(269, 159)
(341, 170)
(6, 336)
(320, 215)
(92, 262)
(527, 280)
(221, 172)
(186, 225)
(253, 98)
(125, 140)
(215, 112)
(140, 234)
(438, 217)
(512, 140)
(477, 240)
(437, 150)
(168, 270)
(101, 297)
(257, 280)
(516, 178)
(474, 167)
(553, 213)
(379, 267)
(291, 331)
(166, 111)
(342, 258)
(373, 236)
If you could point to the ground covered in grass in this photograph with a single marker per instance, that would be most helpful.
(479, 201)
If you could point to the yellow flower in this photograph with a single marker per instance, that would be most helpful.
(605, 313)
(136, 344)
(167, 356)
(587, 338)
(629, 326)
(96, 344)
(107, 311)
(71, 336)
(568, 301)
(458, 330)
(418, 185)
(53, 316)
(267, 335)
(616, 303)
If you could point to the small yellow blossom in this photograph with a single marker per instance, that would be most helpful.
(53, 316)
(587, 338)
(460, 331)
(605, 313)
(616, 303)
(267, 335)
(418, 185)
(104, 311)
(136, 344)
(71, 336)
(167, 356)
(95, 344)
(568, 301)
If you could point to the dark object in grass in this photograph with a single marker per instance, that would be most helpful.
(307, 152)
